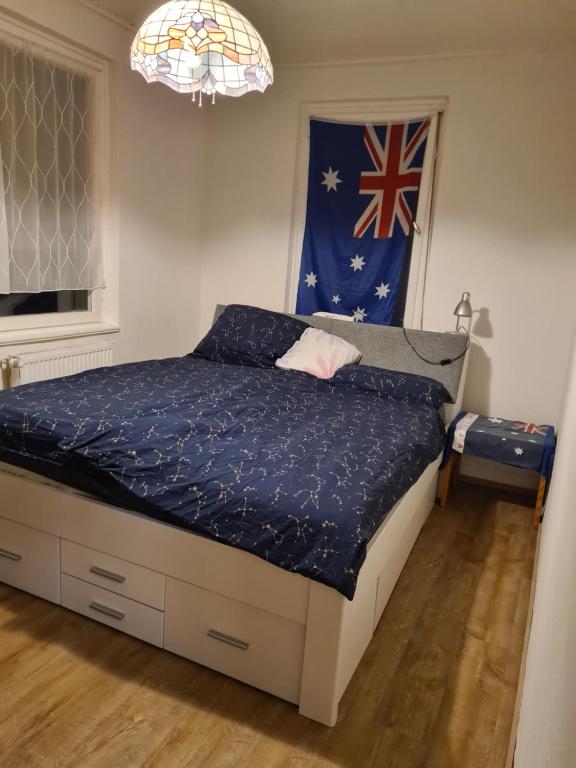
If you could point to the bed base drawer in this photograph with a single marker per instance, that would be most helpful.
(111, 609)
(113, 574)
(30, 560)
(257, 647)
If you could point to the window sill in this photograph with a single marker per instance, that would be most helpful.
(54, 333)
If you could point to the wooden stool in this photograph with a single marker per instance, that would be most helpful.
(519, 444)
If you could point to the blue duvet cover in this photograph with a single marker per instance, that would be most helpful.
(296, 470)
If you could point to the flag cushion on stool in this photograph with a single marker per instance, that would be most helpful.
(517, 443)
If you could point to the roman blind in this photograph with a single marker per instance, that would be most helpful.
(49, 229)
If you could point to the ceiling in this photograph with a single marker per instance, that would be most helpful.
(298, 31)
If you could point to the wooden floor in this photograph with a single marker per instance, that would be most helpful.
(436, 688)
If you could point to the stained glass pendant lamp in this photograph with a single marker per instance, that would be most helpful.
(201, 46)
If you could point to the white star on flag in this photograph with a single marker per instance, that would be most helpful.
(357, 263)
(331, 180)
(495, 421)
(336, 298)
(311, 280)
(518, 451)
(359, 314)
(383, 290)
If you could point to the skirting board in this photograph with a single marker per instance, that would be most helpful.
(330, 632)
(522, 675)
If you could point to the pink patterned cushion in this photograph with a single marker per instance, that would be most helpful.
(319, 353)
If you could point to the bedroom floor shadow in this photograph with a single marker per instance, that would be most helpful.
(436, 687)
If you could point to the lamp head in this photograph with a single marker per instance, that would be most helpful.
(463, 308)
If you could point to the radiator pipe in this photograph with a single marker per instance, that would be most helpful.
(7, 365)
(6, 373)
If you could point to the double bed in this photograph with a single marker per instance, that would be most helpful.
(249, 518)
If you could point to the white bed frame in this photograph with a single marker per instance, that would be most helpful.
(209, 602)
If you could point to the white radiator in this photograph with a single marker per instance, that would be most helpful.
(26, 368)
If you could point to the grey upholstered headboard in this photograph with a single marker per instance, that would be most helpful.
(386, 347)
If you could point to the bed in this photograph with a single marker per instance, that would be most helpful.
(251, 519)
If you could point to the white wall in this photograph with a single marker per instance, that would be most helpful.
(504, 227)
(548, 712)
(158, 139)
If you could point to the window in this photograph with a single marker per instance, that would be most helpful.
(360, 118)
(54, 167)
(43, 303)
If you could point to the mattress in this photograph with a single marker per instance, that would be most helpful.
(99, 488)
(291, 468)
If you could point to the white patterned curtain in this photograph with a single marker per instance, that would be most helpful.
(49, 237)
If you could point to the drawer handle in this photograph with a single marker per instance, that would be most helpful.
(215, 635)
(108, 611)
(10, 555)
(107, 574)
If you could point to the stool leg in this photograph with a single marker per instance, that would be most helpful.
(539, 501)
(444, 483)
(456, 468)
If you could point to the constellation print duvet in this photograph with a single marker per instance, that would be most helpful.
(296, 470)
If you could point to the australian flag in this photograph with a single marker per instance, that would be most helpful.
(363, 185)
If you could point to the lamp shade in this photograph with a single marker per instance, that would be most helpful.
(464, 308)
(203, 46)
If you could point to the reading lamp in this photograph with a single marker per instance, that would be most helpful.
(463, 309)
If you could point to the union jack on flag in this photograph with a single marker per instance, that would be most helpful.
(393, 177)
(531, 429)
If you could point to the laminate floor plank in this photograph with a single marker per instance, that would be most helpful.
(436, 688)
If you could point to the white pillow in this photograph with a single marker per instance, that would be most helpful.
(335, 316)
(319, 353)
